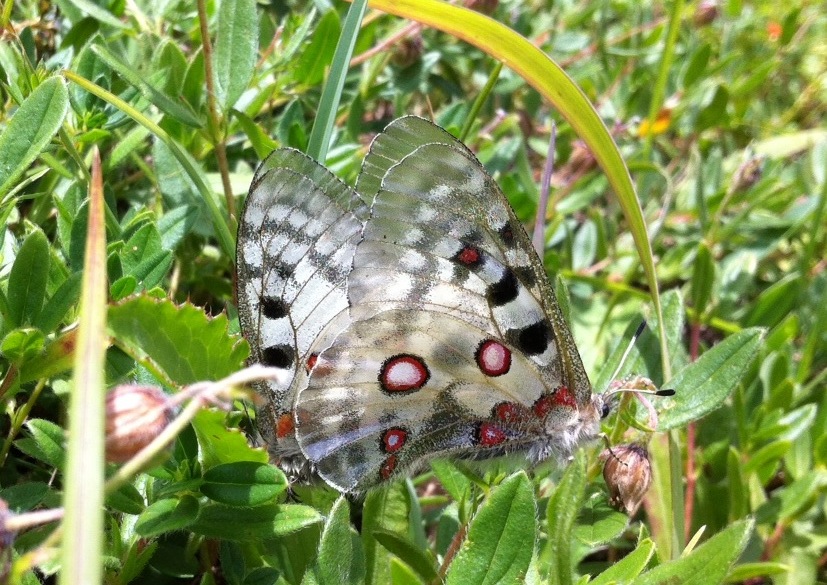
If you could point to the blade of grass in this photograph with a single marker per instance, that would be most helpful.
(219, 223)
(319, 142)
(83, 497)
(667, 60)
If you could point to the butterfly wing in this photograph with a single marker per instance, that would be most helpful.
(297, 235)
(456, 343)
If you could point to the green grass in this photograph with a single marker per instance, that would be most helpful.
(718, 117)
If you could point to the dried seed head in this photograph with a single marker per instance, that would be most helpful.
(135, 415)
(628, 474)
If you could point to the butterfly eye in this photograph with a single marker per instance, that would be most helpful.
(606, 410)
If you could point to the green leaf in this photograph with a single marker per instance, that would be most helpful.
(501, 537)
(703, 279)
(219, 444)
(452, 479)
(318, 54)
(563, 508)
(180, 339)
(21, 345)
(340, 559)
(30, 130)
(598, 522)
(416, 557)
(143, 258)
(28, 279)
(702, 386)
(236, 49)
(126, 499)
(55, 309)
(47, 442)
(253, 524)
(332, 92)
(706, 565)
(167, 515)
(163, 102)
(629, 567)
(388, 510)
(243, 483)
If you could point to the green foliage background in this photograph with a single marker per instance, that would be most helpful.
(717, 108)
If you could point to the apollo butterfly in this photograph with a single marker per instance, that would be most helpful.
(412, 315)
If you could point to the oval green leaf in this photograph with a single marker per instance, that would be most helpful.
(703, 386)
(500, 541)
(243, 483)
(31, 129)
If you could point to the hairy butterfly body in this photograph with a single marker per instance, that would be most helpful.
(412, 316)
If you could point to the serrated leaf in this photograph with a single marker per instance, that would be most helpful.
(706, 565)
(702, 386)
(28, 279)
(180, 339)
(220, 445)
(340, 559)
(243, 483)
(501, 537)
(236, 49)
(167, 515)
(31, 129)
(253, 524)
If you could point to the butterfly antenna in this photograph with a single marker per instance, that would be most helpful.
(629, 347)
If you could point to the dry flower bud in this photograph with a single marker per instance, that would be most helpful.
(628, 474)
(705, 13)
(135, 415)
(748, 174)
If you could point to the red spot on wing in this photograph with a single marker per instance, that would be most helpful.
(562, 397)
(565, 397)
(493, 358)
(394, 439)
(469, 256)
(489, 435)
(508, 412)
(403, 373)
(284, 425)
(388, 467)
(311, 361)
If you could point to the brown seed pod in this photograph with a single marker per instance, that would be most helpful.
(135, 415)
(628, 474)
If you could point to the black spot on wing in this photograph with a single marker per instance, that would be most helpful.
(273, 308)
(504, 290)
(532, 339)
(278, 356)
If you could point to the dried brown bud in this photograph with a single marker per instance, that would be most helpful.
(705, 13)
(135, 415)
(628, 474)
(748, 174)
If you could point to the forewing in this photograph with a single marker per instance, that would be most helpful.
(297, 236)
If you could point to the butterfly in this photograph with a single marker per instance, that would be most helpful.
(411, 316)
